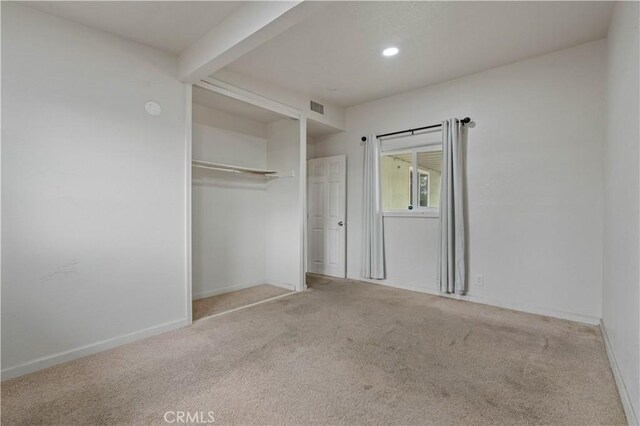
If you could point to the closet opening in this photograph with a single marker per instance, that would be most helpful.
(246, 201)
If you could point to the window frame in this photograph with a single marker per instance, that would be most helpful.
(416, 211)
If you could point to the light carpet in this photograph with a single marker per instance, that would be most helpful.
(343, 352)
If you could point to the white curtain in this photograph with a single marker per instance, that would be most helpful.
(372, 232)
(452, 260)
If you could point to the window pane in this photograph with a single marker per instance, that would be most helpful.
(424, 188)
(429, 166)
(395, 182)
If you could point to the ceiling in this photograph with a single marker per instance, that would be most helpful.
(171, 26)
(233, 106)
(430, 160)
(335, 55)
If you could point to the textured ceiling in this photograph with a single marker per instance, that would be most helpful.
(335, 55)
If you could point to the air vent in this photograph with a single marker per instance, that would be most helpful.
(319, 108)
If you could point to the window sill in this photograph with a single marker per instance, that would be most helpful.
(433, 215)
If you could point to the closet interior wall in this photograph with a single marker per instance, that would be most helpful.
(245, 228)
(283, 248)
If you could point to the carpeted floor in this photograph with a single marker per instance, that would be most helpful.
(341, 353)
(225, 302)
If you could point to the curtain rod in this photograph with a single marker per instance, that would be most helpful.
(464, 121)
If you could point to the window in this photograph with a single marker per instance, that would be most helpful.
(406, 192)
(423, 184)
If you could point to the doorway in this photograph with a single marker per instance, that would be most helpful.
(327, 224)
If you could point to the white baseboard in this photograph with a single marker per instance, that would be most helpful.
(547, 312)
(236, 287)
(287, 286)
(632, 419)
(228, 289)
(493, 302)
(82, 351)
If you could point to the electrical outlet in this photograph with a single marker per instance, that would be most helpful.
(479, 280)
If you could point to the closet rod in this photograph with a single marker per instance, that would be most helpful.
(230, 168)
(464, 121)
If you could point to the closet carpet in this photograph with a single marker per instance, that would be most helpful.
(225, 302)
(343, 352)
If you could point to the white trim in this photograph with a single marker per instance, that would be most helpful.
(433, 290)
(82, 351)
(302, 282)
(227, 289)
(287, 286)
(632, 419)
(188, 205)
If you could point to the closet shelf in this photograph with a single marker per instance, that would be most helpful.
(269, 174)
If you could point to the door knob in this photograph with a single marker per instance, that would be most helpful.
(340, 223)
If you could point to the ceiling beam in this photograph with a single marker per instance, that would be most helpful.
(243, 30)
(334, 115)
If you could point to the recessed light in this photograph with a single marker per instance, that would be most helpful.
(390, 51)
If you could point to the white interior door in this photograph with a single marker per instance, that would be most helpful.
(327, 220)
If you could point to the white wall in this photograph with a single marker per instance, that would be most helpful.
(93, 191)
(310, 144)
(534, 182)
(621, 294)
(228, 216)
(225, 120)
(283, 249)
